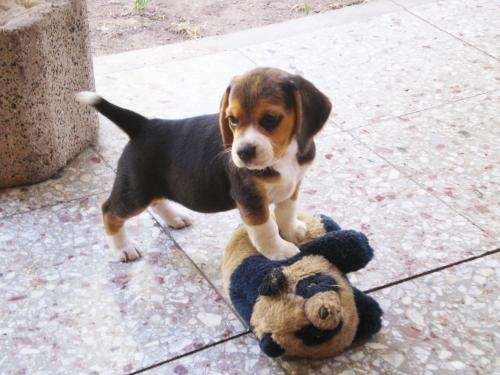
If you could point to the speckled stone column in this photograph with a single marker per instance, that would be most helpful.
(44, 59)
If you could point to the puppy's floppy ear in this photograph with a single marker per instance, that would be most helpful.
(225, 130)
(312, 109)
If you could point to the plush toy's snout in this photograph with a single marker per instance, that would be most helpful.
(324, 310)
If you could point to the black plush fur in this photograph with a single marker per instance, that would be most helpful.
(347, 249)
(369, 313)
(270, 347)
(312, 336)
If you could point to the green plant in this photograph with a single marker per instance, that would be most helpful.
(307, 9)
(302, 7)
(140, 5)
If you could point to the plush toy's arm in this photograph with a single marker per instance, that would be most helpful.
(347, 249)
(370, 315)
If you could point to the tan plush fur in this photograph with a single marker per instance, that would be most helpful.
(286, 313)
(239, 247)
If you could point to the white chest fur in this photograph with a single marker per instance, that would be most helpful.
(291, 173)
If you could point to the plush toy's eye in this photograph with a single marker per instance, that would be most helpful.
(272, 283)
(311, 285)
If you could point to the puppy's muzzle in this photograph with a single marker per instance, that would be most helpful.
(247, 152)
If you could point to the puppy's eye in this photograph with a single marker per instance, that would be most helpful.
(269, 122)
(233, 121)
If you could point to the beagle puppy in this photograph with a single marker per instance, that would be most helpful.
(251, 154)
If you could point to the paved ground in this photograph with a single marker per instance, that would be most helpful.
(411, 156)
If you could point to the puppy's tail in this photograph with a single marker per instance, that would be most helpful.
(129, 121)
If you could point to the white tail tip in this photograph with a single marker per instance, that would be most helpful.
(88, 97)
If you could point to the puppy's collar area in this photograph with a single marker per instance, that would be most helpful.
(266, 172)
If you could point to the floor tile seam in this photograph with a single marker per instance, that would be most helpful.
(244, 53)
(393, 117)
(471, 45)
(371, 290)
(189, 353)
(52, 204)
(167, 232)
(424, 188)
(433, 270)
(108, 163)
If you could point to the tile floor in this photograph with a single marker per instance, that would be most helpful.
(410, 156)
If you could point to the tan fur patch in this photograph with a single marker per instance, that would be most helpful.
(282, 135)
(314, 225)
(294, 318)
(254, 217)
(239, 246)
(112, 224)
(329, 303)
(237, 250)
(225, 130)
(256, 93)
(286, 313)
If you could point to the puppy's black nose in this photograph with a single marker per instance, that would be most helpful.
(246, 152)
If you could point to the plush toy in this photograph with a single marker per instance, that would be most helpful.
(303, 306)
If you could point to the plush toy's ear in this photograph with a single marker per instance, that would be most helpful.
(272, 283)
(270, 347)
(348, 250)
(225, 130)
(370, 315)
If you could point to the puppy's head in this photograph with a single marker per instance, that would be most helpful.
(263, 110)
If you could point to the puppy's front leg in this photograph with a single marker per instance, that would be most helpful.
(291, 228)
(263, 232)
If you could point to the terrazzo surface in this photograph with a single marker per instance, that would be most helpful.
(410, 156)
(67, 306)
(479, 27)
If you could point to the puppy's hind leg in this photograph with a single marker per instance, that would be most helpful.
(170, 214)
(116, 235)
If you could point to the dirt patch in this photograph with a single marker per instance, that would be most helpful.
(115, 26)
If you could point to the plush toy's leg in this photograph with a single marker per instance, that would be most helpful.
(370, 315)
(347, 249)
(270, 347)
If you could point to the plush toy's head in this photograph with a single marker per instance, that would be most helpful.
(304, 306)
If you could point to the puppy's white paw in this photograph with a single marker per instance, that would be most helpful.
(283, 250)
(124, 249)
(181, 220)
(296, 232)
(128, 253)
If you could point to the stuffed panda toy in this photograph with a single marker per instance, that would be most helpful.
(303, 306)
